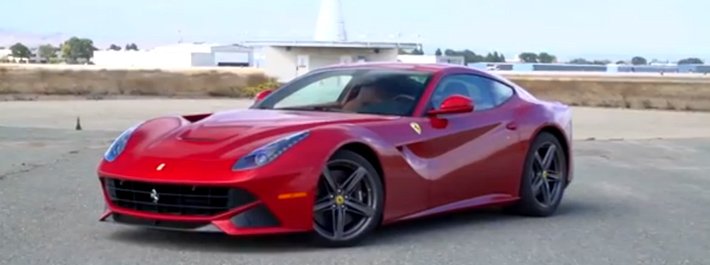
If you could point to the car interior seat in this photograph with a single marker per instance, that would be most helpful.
(456, 88)
(474, 93)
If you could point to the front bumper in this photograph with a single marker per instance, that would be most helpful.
(253, 221)
(279, 201)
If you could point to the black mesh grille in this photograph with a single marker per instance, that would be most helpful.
(175, 199)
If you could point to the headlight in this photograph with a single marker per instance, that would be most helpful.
(269, 152)
(119, 144)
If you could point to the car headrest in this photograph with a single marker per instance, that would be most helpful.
(456, 88)
(391, 85)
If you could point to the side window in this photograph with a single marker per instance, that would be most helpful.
(501, 92)
(325, 90)
(420, 78)
(479, 89)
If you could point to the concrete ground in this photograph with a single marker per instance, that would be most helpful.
(636, 199)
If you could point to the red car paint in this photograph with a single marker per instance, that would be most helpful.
(462, 161)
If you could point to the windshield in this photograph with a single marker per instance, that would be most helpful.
(371, 91)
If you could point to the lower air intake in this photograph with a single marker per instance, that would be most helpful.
(186, 200)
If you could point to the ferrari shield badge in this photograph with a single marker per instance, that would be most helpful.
(160, 167)
(415, 126)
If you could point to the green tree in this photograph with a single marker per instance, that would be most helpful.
(438, 52)
(468, 55)
(691, 61)
(494, 57)
(489, 58)
(620, 62)
(528, 57)
(47, 51)
(78, 48)
(585, 61)
(19, 50)
(131, 46)
(579, 61)
(638, 60)
(114, 47)
(601, 62)
(416, 51)
(544, 57)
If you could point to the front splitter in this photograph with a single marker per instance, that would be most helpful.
(156, 224)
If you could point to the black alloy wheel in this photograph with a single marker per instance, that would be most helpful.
(349, 200)
(544, 178)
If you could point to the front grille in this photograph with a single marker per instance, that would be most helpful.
(175, 199)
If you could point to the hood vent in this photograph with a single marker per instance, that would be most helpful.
(196, 117)
(206, 133)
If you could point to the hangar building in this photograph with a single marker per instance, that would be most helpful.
(182, 55)
(282, 59)
(286, 60)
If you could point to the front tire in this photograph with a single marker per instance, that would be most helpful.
(349, 201)
(544, 178)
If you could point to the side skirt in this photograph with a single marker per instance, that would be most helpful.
(491, 200)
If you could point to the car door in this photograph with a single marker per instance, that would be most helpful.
(467, 153)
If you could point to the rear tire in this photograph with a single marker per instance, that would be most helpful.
(543, 182)
(349, 201)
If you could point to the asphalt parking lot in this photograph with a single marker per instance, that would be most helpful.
(640, 197)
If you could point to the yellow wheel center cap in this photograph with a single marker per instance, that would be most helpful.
(544, 174)
(339, 199)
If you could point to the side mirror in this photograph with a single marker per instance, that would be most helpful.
(263, 94)
(454, 104)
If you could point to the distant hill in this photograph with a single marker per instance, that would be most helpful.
(10, 37)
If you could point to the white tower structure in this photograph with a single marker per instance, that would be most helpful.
(330, 25)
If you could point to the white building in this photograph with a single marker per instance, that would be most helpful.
(412, 58)
(177, 56)
(6, 55)
(286, 60)
(283, 60)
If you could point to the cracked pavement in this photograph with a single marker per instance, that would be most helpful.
(639, 200)
(23, 150)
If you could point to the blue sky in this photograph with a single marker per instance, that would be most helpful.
(602, 28)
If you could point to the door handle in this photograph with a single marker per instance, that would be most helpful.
(511, 126)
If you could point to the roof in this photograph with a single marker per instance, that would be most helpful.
(335, 44)
(202, 47)
(426, 67)
(431, 67)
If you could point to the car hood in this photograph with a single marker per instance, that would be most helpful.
(231, 133)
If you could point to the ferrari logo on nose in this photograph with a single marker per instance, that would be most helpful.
(154, 195)
(415, 126)
(160, 167)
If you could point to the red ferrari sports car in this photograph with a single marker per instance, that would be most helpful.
(342, 150)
